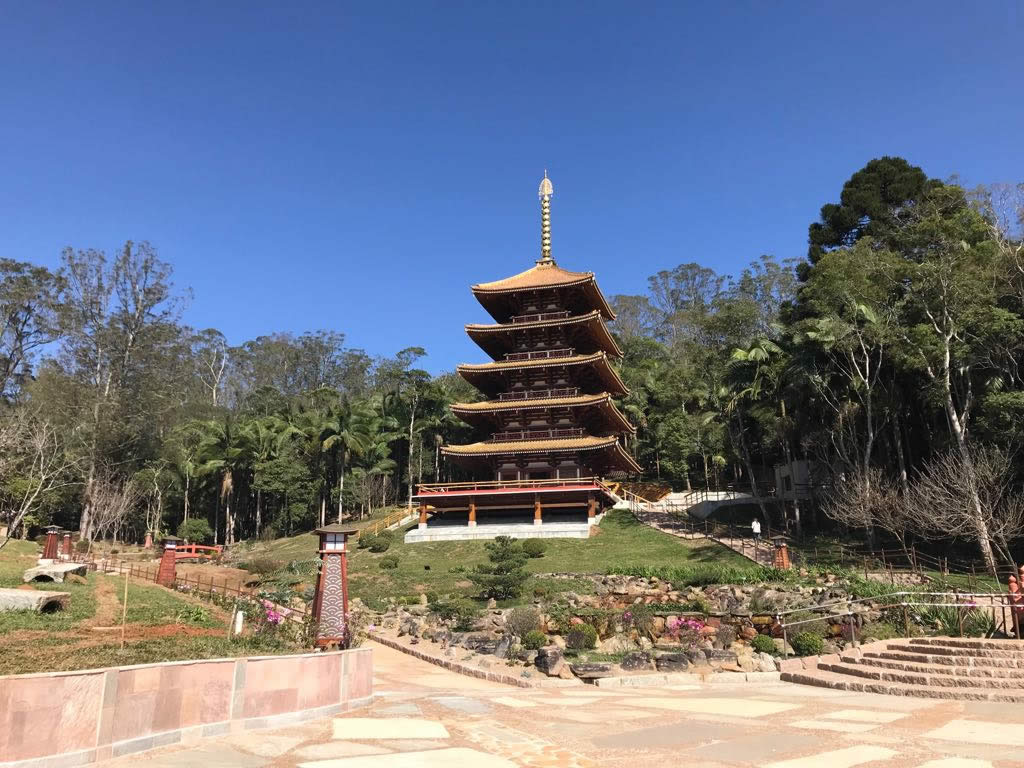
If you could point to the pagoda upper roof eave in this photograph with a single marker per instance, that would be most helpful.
(539, 277)
(593, 320)
(599, 359)
(602, 399)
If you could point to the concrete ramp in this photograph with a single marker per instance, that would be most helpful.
(33, 600)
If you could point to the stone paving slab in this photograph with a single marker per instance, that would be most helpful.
(435, 758)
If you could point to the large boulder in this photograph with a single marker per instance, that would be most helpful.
(636, 660)
(485, 644)
(592, 670)
(672, 662)
(617, 644)
(550, 661)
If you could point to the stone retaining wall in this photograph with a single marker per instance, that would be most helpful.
(75, 718)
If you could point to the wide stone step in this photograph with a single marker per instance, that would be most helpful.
(994, 644)
(946, 660)
(843, 682)
(871, 660)
(916, 678)
(959, 652)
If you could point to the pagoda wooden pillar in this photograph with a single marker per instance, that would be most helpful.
(472, 513)
(591, 508)
(423, 516)
(536, 510)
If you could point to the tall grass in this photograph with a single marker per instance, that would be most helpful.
(701, 575)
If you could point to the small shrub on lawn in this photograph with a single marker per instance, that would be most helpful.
(582, 637)
(534, 640)
(807, 644)
(365, 540)
(523, 620)
(381, 542)
(764, 644)
(196, 530)
(504, 576)
(389, 562)
(194, 614)
(534, 547)
(82, 545)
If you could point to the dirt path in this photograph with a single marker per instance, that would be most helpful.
(107, 605)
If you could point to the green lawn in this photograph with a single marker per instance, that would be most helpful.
(154, 606)
(441, 567)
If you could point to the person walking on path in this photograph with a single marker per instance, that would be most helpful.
(755, 527)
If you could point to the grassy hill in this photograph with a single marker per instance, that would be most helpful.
(441, 567)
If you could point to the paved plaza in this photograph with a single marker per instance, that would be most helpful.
(426, 717)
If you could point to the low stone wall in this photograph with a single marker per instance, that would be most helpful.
(75, 718)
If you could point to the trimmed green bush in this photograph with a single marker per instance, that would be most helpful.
(807, 644)
(381, 542)
(389, 562)
(365, 540)
(504, 576)
(534, 547)
(461, 612)
(764, 644)
(534, 640)
(582, 637)
(523, 620)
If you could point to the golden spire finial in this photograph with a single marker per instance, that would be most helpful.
(545, 192)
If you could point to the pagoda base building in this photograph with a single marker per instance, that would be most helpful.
(554, 432)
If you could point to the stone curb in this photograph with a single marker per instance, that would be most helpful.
(471, 671)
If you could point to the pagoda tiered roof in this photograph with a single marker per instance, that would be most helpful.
(587, 333)
(491, 378)
(615, 456)
(481, 412)
(498, 297)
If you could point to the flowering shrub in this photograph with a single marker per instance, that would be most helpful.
(684, 631)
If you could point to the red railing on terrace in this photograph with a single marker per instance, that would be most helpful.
(536, 318)
(540, 394)
(497, 485)
(540, 354)
(535, 434)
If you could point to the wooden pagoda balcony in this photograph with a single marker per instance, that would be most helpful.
(535, 434)
(540, 394)
(536, 318)
(540, 354)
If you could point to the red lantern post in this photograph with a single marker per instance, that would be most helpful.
(50, 547)
(168, 562)
(330, 605)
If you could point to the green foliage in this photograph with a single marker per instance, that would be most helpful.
(534, 547)
(461, 612)
(807, 644)
(879, 630)
(763, 644)
(534, 640)
(389, 562)
(504, 576)
(702, 575)
(365, 540)
(82, 545)
(581, 637)
(196, 530)
(639, 617)
(522, 620)
(193, 614)
(381, 542)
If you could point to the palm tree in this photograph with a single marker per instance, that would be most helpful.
(263, 438)
(222, 452)
(347, 432)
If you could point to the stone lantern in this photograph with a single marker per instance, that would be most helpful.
(66, 552)
(50, 547)
(168, 559)
(330, 604)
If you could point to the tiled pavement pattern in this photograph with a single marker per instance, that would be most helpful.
(428, 717)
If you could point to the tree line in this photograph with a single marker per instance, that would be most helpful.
(886, 357)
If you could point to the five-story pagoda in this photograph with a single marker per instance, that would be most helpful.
(554, 428)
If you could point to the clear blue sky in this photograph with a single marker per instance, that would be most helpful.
(357, 165)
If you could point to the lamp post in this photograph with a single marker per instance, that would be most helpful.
(50, 547)
(330, 605)
(166, 574)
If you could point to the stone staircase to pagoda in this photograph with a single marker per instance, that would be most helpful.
(933, 668)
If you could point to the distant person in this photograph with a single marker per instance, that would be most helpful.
(755, 527)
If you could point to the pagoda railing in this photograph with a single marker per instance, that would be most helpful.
(535, 434)
(539, 317)
(493, 485)
(540, 394)
(540, 354)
